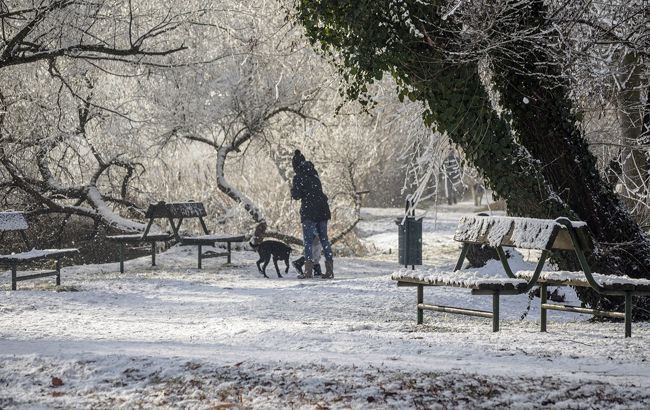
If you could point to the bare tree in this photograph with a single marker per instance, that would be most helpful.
(109, 105)
(53, 54)
(254, 104)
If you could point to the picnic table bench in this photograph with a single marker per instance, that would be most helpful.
(175, 213)
(546, 235)
(212, 240)
(16, 222)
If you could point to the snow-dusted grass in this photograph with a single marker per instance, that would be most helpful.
(174, 336)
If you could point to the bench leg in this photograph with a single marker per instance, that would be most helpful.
(121, 257)
(542, 314)
(153, 253)
(495, 311)
(228, 252)
(420, 298)
(58, 272)
(200, 250)
(13, 276)
(628, 314)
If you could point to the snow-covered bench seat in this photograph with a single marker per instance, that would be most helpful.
(479, 283)
(16, 222)
(496, 232)
(608, 282)
(463, 279)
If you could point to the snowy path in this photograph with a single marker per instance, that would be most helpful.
(174, 336)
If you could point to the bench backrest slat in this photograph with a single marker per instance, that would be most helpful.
(176, 210)
(525, 233)
(12, 221)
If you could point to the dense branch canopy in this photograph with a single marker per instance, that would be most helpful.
(119, 30)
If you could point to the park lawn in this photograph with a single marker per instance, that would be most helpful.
(172, 336)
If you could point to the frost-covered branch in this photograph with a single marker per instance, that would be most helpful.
(71, 28)
(226, 187)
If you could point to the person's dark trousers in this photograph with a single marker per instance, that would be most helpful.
(311, 228)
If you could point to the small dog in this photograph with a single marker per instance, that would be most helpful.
(268, 248)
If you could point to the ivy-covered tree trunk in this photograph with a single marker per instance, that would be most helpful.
(536, 98)
(542, 166)
(456, 100)
(459, 106)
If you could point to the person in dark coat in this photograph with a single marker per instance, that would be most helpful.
(314, 213)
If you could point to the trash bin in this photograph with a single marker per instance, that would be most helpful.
(410, 239)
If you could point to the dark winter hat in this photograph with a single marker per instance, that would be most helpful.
(297, 159)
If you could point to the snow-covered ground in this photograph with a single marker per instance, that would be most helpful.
(172, 336)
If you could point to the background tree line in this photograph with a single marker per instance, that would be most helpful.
(107, 106)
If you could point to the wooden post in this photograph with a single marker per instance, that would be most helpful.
(121, 257)
(25, 239)
(495, 311)
(628, 314)
(407, 238)
(146, 230)
(461, 258)
(58, 271)
(176, 227)
(229, 250)
(420, 298)
(205, 228)
(153, 253)
(542, 315)
(200, 250)
(13, 276)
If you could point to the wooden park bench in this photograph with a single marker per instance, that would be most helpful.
(175, 213)
(527, 233)
(16, 222)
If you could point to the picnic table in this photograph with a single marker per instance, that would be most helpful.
(175, 213)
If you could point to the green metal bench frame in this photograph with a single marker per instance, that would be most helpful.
(558, 239)
(175, 213)
(568, 236)
(580, 249)
(212, 240)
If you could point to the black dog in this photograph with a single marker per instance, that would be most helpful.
(277, 249)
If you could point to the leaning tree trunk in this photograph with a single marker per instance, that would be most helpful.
(541, 114)
(227, 188)
(458, 105)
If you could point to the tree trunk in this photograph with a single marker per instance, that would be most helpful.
(484, 137)
(533, 92)
(630, 112)
(227, 188)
